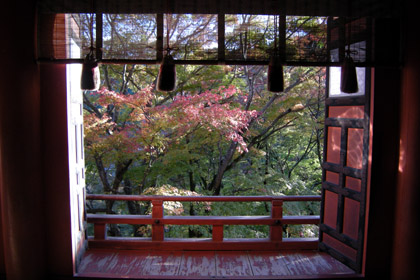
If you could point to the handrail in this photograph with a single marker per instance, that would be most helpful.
(157, 219)
(201, 198)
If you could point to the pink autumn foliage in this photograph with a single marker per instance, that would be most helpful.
(212, 110)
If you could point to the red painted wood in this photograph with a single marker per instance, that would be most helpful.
(100, 231)
(157, 220)
(340, 247)
(120, 219)
(233, 264)
(198, 264)
(217, 220)
(353, 183)
(332, 177)
(300, 220)
(351, 218)
(200, 220)
(163, 264)
(276, 230)
(217, 233)
(157, 215)
(355, 148)
(333, 144)
(317, 263)
(201, 198)
(210, 265)
(331, 206)
(268, 264)
(348, 112)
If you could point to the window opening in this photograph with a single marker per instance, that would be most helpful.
(221, 129)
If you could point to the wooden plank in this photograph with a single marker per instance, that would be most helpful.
(114, 262)
(232, 264)
(347, 192)
(163, 264)
(207, 265)
(268, 264)
(199, 263)
(345, 100)
(342, 122)
(322, 263)
(310, 263)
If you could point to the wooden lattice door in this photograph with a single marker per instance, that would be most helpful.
(345, 174)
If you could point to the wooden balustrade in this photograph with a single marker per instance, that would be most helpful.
(157, 220)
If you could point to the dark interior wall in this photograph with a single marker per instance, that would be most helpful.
(22, 201)
(55, 169)
(35, 211)
(385, 143)
(407, 228)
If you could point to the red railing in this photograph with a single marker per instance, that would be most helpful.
(157, 219)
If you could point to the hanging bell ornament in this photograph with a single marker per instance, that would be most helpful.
(348, 76)
(90, 73)
(275, 82)
(167, 74)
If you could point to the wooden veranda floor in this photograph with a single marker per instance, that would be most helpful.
(131, 264)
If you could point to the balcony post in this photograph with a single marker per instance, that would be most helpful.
(99, 231)
(276, 229)
(217, 233)
(157, 215)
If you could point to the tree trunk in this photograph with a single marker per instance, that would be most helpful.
(216, 183)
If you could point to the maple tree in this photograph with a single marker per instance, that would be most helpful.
(220, 132)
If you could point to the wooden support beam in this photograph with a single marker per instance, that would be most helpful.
(99, 231)
(157, 215)
(218, 233)
(276, 230)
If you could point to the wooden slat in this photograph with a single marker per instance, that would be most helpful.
(308, 263)
(135, 264)
(233, 264)
(164, 264)
(355, 195)
(342, 122)
(268, 264)
(347, 101)
(198, 264)
(347, 171)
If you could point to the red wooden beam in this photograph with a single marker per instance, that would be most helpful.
(157, 215)
(201, 198)
(276, 229)
(199, 220)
